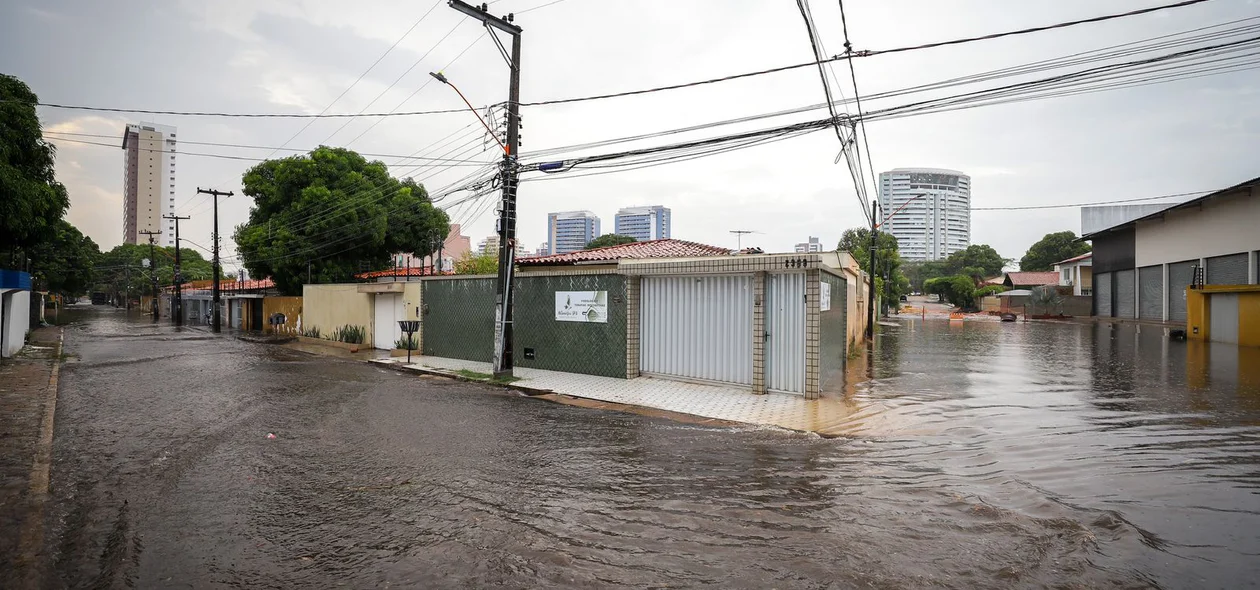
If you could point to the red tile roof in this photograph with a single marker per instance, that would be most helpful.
(414, 271)
(633, 250)
(1036, 279)
(1076, 258)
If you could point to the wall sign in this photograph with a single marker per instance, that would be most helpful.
(582, 306)
(824, 296)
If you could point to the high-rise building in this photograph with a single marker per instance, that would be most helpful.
(928, 210)
(643, 223)
(148, 182)
(544, 249)
(570, 231)
(811, 245)
(490, 247)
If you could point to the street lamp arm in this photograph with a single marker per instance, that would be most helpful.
(443, 79)
(903, 206)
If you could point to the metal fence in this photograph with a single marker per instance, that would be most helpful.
(458, 316)
(544, 342)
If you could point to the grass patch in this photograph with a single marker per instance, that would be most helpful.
(487, 377)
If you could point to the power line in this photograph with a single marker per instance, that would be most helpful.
(857, 98)
(1031, 207)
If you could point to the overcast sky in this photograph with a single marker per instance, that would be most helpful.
(298, 56)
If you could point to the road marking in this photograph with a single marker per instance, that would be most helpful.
(32, 538)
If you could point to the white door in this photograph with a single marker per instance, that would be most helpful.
(385, 330)
(1223, 317)
(785, 333)
(697, 327)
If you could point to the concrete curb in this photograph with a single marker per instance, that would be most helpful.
(32, 539)
(401, 368)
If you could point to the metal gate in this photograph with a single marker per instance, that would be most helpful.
(697, 328)
(1223, 317)
(785, 333)
(1126, 296)
(1151, 292)
(387, 311)
(1227, 270)
(1179, 276)
(1102, 294)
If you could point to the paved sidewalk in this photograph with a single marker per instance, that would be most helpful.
(733, 404)
(24, 391)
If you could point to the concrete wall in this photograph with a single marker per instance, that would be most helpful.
(834, 329)
(15, 317)
(329, 307)
(574, 347)
(1225, 225)
(1199, 312)
(291, 307)
(1099, 218)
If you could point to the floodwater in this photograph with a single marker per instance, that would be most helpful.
(983, 455)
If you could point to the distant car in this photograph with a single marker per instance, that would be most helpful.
(903, 298)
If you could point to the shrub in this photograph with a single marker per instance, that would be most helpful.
(311, 332)
(350, 334)
(403, 344)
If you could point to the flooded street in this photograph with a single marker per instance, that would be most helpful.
(982, 455)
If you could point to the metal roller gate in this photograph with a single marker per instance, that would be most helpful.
(1151, 292)
(1126, 296)
(1179, 276)
(1102, 294)
(697, 327)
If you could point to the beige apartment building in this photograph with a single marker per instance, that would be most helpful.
(148, 182)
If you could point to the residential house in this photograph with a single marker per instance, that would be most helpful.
(1077, 273)
(1028, 280)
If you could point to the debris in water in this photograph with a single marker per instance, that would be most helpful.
(271, 435)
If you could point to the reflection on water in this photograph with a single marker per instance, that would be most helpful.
(1162, 434)
(984, 455)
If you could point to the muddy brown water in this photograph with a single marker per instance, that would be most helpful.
(982, 455)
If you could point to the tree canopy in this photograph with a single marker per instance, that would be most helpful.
(890, 281)
(1050, 249)
(66, 262)
(337, 212)
(31, 199)
(478, 264)
(122, 269)
(977, 261)
(609, 240)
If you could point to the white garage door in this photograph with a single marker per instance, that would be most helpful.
(1223, 317)
(385, 330)
(697, 327)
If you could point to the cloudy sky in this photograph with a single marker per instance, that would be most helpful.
(253, 56)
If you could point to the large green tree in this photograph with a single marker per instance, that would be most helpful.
(976, 261)
(1051, 249)
(335, 211)
(65, 264)
(124, 268)
(889, 279)
(609, 240)
(31, 199)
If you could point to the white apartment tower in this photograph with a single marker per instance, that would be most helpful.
(148, 182)
(928, 210)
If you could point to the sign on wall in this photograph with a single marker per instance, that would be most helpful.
(582, 306)
(824, 296)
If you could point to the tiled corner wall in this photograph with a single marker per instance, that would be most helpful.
(812, 311)
(632, 327)
(759, 333)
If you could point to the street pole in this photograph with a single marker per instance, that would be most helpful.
(177, 305)
(508, 169)
(870, 297)
(153, 270)
(215, 298)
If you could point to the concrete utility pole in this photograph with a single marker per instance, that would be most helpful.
(870, 297)
(153, 271)
(215, 305)
(508, 169)
(177, 304)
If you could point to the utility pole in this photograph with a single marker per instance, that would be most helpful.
(215, 305)
(870, 297)
(153, 270)
(508, 169)
(177, 304)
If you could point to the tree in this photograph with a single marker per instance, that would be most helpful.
(890, 282)
(122, 269)
(31, 199)
(65, 264)
(608, 240)
(959, 290)
(979, 257)
(480, 264)
(919, 272)
(335, 211)
(1050, 249)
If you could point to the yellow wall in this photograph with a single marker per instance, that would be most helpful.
(291, 307)
(329, 307)
(1199, 312)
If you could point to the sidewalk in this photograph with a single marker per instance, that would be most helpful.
(730, 404)
(25, 383)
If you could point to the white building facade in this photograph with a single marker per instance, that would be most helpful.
(570, 231)
(811, 245)
(643, 223)
(928, 210)
(148, 183)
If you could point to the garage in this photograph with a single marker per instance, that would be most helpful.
(385, 329)
(1223, 317)
(697, 327)
(1126, 297)
(1102, 294)
(1151, 293)
(1180, 275)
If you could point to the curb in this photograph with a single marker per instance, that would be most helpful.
(32, 533)
(529, 391)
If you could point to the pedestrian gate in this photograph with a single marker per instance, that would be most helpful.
(785, 332)
(388, 310)
(697, 327)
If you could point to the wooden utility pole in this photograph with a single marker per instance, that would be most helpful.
(215, 305)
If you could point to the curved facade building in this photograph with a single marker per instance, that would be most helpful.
(930, 227)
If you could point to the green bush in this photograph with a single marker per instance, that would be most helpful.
(350, 334)
(311, 332)
(403, 344)
(989, 290)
